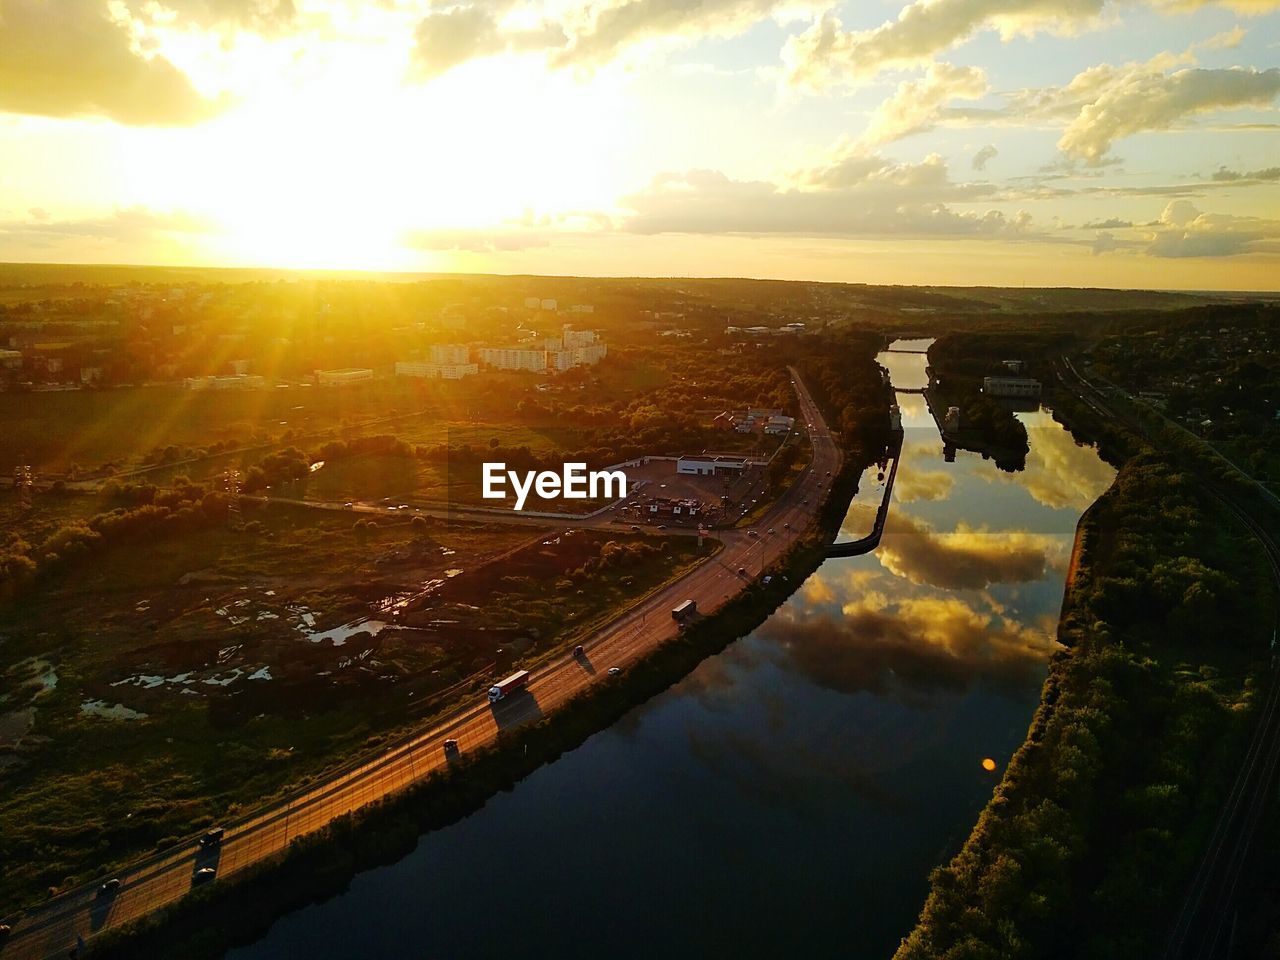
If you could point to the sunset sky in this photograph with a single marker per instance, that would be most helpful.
(1048, 142)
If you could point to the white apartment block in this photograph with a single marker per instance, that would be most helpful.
(435, 371)
(513, 358)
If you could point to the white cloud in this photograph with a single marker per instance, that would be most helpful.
(826, 54)
(917, 105)
(853, 194)
(985, 156)
(1183, 231)
(1138, 98)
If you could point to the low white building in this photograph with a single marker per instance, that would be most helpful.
(232, 382)
(779, 424)
(343, 376)
(703, 466)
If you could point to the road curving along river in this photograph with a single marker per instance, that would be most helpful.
(790, 796)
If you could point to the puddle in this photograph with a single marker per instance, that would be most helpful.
(340, 635)
(99, 708)
(151, 681)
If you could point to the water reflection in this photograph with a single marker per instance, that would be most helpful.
(790, 796)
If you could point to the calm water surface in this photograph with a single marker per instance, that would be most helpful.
(791, 795)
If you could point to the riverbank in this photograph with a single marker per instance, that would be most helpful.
(1088, 843)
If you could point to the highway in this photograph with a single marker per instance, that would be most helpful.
(1204, 926)
(51, 929)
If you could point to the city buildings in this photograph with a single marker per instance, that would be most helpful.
(447, 361)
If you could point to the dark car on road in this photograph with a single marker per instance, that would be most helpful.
(109, 887)
(204, 875)
(212, 837)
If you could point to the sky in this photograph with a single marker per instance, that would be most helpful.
(1114, 143)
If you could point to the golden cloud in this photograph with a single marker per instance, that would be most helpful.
(967, 559)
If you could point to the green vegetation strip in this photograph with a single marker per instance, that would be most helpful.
(1086, 847)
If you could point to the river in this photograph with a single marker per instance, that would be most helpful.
(790, 795)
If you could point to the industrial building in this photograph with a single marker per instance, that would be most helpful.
(1010, 387)
(703, 466)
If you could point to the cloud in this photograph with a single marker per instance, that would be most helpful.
(71, 58)
(1105, 242)
(616, 26)
(917, 105)
(445, 39)
(582, 34)
(984, 156)
(1183, 231)
(1138, 98)
(966, 559)
(916, 647)
(262, 16)
(914, 485)
(851, 194)
(124, 225)
(1061, 473)
(1111, 223)
(827, 55)
(1223, 175)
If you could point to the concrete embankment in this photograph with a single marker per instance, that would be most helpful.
(856, 548)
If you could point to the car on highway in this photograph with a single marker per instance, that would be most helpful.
(109, 887)
(752, 533)
(5, 930)
(804, 503)
(450, 747)
(771, 530)
(634, 528)
(204, 875)
(742, 571)
(828, 473)
(212, 837)
(786, 526)
(348, 506)
(662, 526)
(614, 671)
(578, 651)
